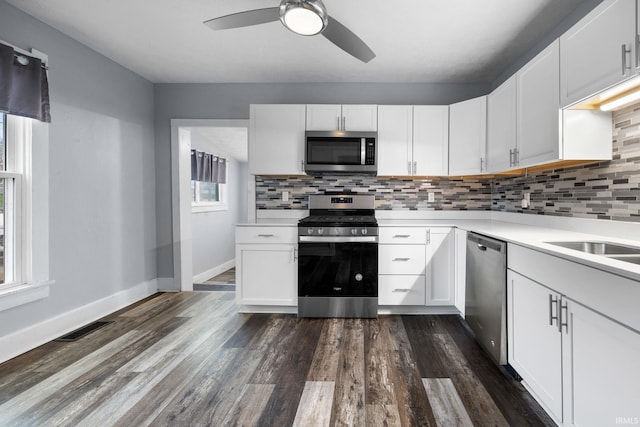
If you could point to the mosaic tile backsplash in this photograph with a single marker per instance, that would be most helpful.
(606, 190)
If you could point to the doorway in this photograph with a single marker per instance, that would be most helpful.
(204, 237)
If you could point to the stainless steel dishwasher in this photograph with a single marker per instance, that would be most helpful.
(485, 306)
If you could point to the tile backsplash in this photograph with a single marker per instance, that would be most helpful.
(605, 190)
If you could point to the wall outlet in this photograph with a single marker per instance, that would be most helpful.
(431, 197)
(285, 196)
(526, 200)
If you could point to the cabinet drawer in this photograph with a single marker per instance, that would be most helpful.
(402, 235)
(266, 235)
(401, 259)
(401, 290)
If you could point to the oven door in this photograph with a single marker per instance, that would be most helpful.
(337, 268)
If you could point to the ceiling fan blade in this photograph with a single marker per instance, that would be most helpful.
(245, 19)
(346, 40)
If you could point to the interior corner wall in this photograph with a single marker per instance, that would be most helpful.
(232, 100)
(101, 178)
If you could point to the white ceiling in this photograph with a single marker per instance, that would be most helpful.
(228, 141)
(165, 41)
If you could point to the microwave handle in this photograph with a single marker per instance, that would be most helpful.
(363, 150)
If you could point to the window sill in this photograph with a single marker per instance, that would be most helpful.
(209, 208)
(15, 295)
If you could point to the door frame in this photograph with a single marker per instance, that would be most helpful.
(182, 244)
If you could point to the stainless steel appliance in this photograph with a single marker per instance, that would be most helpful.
(338, 257)
(485, 307)
(340, 152)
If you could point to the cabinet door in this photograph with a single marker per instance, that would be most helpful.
(501, 127)
(467, 137)
(324, 117)
(592, 50)
(440, 267)
(360, 117)
(535, 346)
(276, 139)
(602, 356)
(267, 275)
(394, 139)
(431, 140)
(539, 108)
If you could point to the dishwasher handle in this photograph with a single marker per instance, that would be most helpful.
(483, 243)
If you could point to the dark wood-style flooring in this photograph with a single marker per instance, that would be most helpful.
(189, 359)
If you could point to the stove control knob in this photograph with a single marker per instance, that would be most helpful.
(364, 231)
(354, 231)
(320, 230)
(309, 230)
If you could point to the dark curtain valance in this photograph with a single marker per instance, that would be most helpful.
(24, 88)
(206, 167)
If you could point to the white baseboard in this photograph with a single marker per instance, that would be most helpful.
(205, 275)
(35, 335)
(167, 284)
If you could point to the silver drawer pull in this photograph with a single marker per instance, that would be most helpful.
(401, 259)
(266, 235)
(402, 290)
(401, 236)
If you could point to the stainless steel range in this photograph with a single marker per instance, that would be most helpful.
(338, 257)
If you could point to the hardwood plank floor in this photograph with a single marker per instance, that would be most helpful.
(190, 359)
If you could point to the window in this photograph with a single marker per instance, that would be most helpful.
(208, 196)
(15, 139)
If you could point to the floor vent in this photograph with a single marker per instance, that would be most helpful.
(213, 287)
(85, 330)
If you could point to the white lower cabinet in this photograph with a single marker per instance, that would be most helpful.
(579, 363)
(535, 345)
(416, 266)
(266, 266)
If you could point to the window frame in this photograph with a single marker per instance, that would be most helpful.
(221, 205)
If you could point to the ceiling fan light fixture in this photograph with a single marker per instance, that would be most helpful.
(304, 17)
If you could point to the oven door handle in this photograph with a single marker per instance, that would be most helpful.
(338, 239)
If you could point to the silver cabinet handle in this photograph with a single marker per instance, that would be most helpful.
(401, 236)
(516, 157)
(401, 259)
(266, 235)
(295, 254)
(301, 165)
(415, 168)
(624, 59)
(409, 167)
(338, 117)
(428, 236)
(563, 320)
(552, 301)
(401, 290)
(344, 123)
(511, 157)
(481, 164)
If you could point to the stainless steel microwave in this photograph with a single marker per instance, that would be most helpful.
(340, 152)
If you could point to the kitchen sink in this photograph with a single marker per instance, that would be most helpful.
(635, 259)
(599, 248)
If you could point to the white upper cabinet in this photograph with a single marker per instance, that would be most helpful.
(599, 51)
(430, 140)
(348, 117)
(501, 127)
(468, 137)
(395, 140)
(538, 111)
(413, 140)
(276, 139)
(324, 117)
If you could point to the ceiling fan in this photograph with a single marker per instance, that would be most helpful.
(304, 17)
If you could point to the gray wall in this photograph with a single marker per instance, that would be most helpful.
(213, 233)
(231, 101)
(101, 174)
